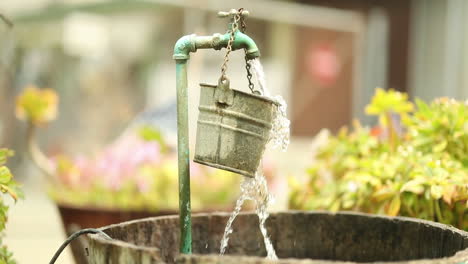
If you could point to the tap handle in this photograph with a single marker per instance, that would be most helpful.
(231, 13)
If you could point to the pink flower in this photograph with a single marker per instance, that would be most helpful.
(118, 163)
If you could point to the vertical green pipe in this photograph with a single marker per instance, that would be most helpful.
(182, 48)
(183, 158)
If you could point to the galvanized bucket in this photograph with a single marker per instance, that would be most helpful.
(233, 128)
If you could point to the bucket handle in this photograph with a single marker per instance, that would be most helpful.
(224, 96)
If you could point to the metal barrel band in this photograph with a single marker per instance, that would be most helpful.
(232, 128)
(237, 115)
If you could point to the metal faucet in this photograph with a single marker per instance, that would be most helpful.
(182, 49)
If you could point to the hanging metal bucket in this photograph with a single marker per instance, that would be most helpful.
(233, 128)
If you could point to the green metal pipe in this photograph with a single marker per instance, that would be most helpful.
(183, 155)
(191, 43)
(182, 49)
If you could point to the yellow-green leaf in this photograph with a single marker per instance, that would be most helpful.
(394, 207)
(347, 204)
(388, 101)
(440, 146)
(37, 105)
(335, 206)
(437, 191)
(383, 194)
(9, 190)
(4, 155)
(5, 175)
(414, 186)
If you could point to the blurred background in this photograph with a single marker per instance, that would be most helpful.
(110, 60)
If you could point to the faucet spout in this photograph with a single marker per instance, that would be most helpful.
(190, 43)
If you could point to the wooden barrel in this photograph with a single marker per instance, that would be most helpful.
(298, 237)
(75, 218)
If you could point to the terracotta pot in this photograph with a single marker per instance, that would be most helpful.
(75, 218)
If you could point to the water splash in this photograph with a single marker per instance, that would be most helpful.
(279, 136)
(260, 75)
(228, 229)
(262, 202)
(256, 189)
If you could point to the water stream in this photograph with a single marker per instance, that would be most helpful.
(256, 189)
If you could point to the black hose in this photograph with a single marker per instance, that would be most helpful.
(72, 237)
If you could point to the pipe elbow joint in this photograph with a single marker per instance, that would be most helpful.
(184, 46)
(242, 41)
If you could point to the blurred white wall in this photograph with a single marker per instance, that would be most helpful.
(439, 48)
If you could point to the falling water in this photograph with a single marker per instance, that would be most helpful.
(228, 229)
(260, 75)
(279, 136)
(256, 189)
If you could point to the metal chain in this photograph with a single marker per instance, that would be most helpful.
(247, 62)
(243, 25)
(235, 27)
(249, 75)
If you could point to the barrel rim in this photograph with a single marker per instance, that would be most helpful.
(459, 258)
(261, 97)
(460, 255)
(285, 212)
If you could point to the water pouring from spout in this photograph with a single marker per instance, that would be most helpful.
(256, 189)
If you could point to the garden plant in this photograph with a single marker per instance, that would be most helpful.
(9, 188)
(137, 172)
(413, 163)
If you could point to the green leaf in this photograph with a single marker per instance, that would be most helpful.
(5, 175)
(414, 186)
(335, 207)
(383, 194)
(440, 146)
(12, 192)
(421, 105)
(36, 105)
(347, 204)
(394, 207)
(437, 191)
(4, 155)
(389, 101)
(151, 133)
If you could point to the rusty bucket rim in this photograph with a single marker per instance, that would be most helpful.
(197, 159)
(261, 97)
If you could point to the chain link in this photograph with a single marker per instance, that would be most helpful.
(235, 27)
(249, 75)
(243, 25)
(248, 66)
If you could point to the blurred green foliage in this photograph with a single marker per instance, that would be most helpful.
(149, 133)
(138, 171)
(10, 188)
(413, 165)
(151, 187)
